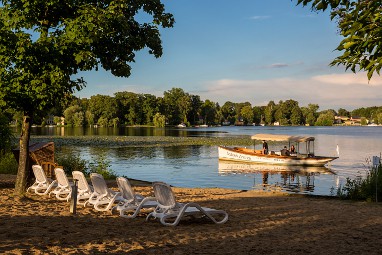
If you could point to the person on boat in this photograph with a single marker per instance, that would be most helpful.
(292, 149)
(265, 147)
(285, 152)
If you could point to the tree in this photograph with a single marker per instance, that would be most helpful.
(44, 44)
(269, 112)
(72, 114)
(193, 114)
(310, 113)
(247, 114)
(325, 119)
(228, 111)
(359, 22)
(177, 104)
(103, 106)
(363, 121)
(296, 116)
(379, 118)
(258, 114)
(149, 108)
(159, 120)
(6, 135)
(343, 112)
(208, 112)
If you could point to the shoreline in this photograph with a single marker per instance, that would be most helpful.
(259, 223)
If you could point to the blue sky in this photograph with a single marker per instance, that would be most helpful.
(245, 50)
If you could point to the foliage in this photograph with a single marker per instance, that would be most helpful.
(159, 120)
(103, 122)
(368, 188)
(247, 114)
(6, 135)
(101, 166)
(325, 119)
(208, 112)
(359, 22)
(74, 116)
(363, 121)
(8, 163)
(45, 44)
(269, 113)
(72, 163)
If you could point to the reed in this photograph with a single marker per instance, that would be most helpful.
(368, 188)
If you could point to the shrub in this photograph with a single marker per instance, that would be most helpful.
(6, 135)
(102, 166)
(8, 164)
(72, 163)
(368, 188)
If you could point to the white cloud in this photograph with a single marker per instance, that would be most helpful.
(278, 65)
(349, 79)
(259, 17)
(328, 91)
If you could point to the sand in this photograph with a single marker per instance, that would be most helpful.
(259, 223)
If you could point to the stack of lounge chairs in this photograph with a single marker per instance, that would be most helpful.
(162, 206)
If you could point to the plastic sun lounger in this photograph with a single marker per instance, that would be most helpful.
(84, 190)
(63, 190)
(102, 197)
(132, 202)
(42, 184)
(168, 208)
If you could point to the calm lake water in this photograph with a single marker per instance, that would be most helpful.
(198, 166)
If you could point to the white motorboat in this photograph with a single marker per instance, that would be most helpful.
(298, 158)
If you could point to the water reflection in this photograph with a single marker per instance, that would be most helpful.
(294, 179)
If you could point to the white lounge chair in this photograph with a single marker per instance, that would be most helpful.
(132, 202)
(84, 190)
(42, 184)
(63, 190)
(102, 197)
(171, 212)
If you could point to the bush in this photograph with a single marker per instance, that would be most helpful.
(72, 163)
(368, 188)
(6, 135)
(102, 166)
(8, 164)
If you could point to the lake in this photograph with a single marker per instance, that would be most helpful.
(198, 166)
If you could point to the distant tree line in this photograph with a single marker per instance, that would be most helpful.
(177, 106)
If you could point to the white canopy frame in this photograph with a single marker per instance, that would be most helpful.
(309, 141)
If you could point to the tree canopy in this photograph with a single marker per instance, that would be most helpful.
(359, 22)
(44, 44)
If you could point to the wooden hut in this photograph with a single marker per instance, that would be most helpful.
(40, 154)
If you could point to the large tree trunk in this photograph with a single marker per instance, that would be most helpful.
(23, 170)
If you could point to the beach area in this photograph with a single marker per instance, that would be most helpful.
(259, 223)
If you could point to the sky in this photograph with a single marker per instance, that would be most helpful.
(245, 51)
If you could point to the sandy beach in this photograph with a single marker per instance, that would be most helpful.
(259, 223)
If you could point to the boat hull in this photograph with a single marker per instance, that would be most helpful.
(244, 155)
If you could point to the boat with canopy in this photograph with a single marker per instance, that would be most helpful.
(303, 156)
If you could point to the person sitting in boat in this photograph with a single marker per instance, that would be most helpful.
(285, 152)
(265, 147)
(292, 149)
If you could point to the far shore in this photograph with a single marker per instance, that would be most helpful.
(259, 223)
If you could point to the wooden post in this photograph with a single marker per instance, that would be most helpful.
(73, 201)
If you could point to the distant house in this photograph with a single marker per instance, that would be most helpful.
(49, 120)
(340, 120)
(356, 121)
